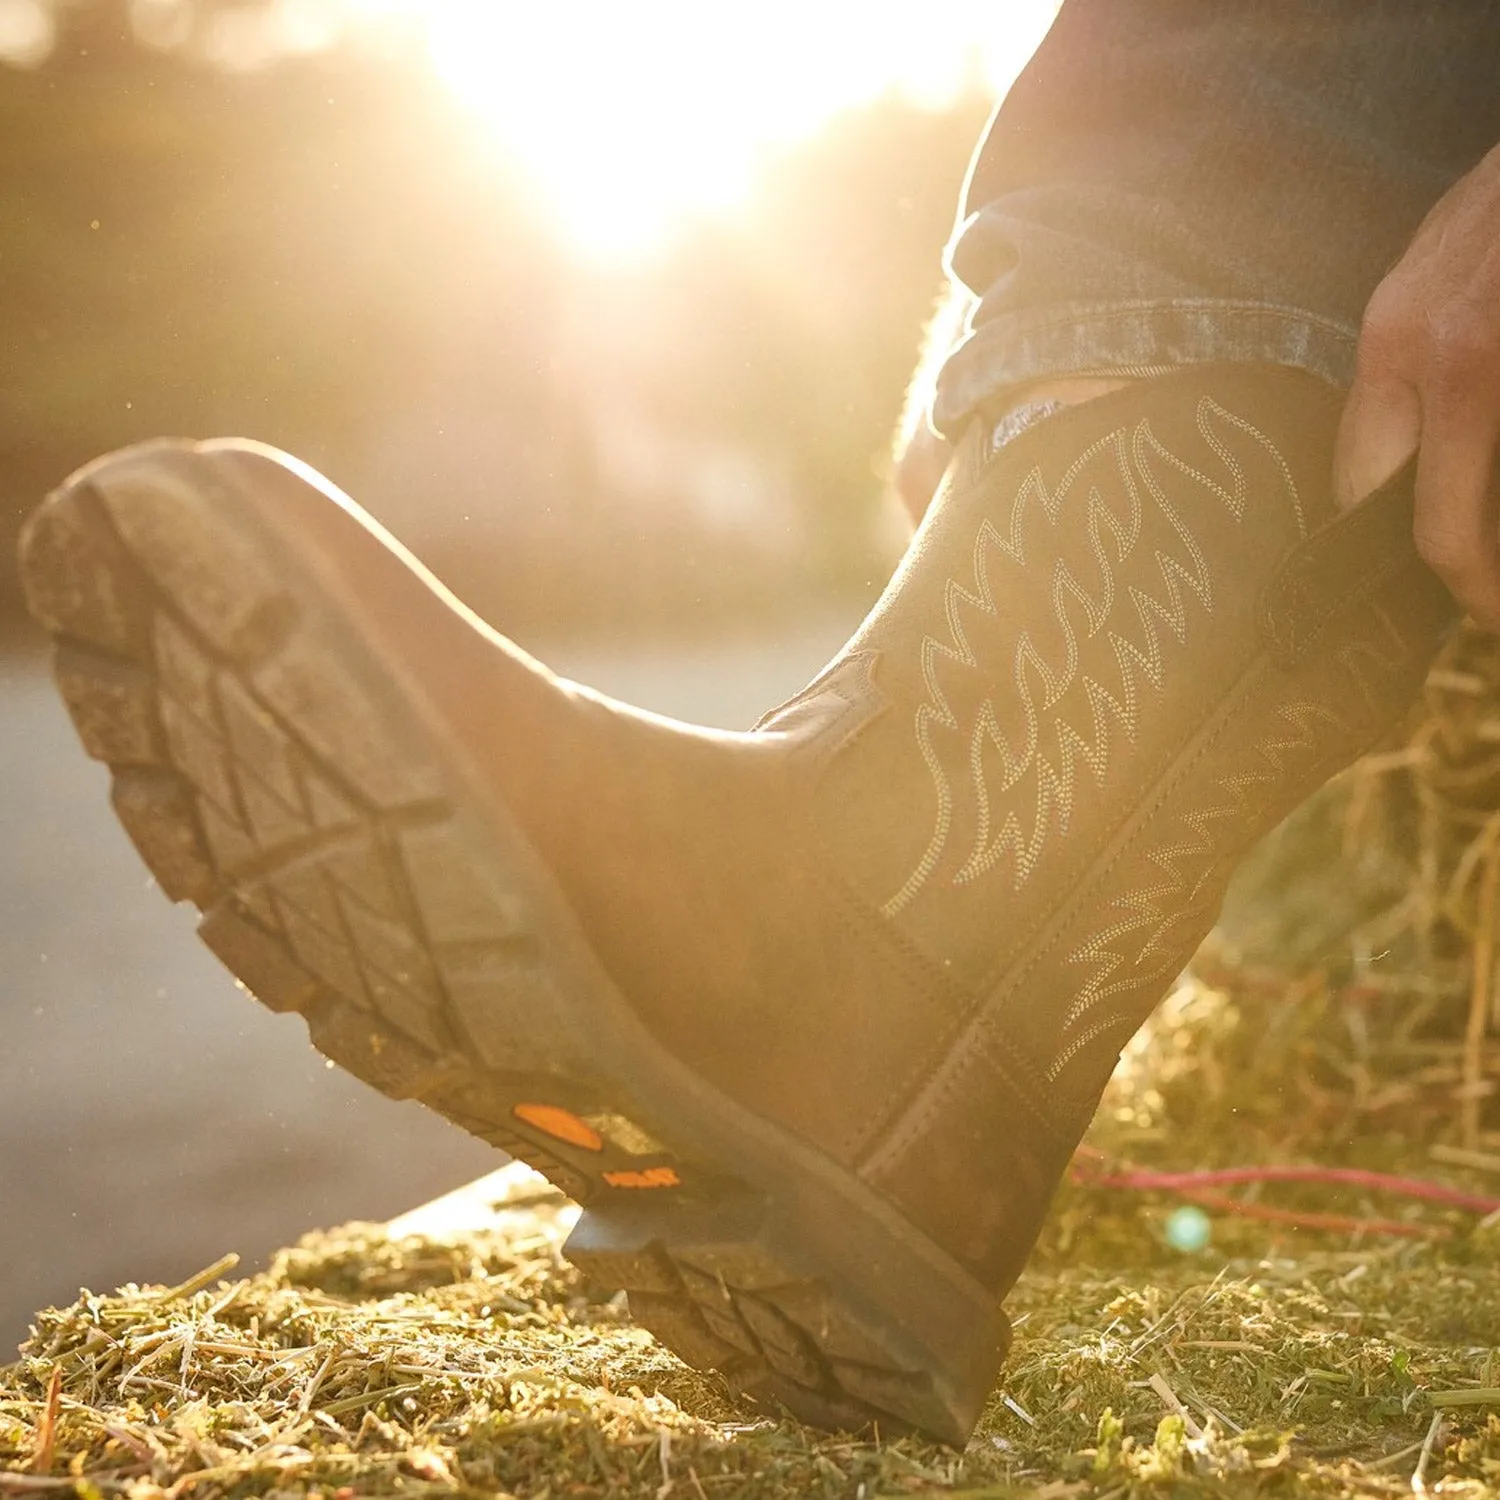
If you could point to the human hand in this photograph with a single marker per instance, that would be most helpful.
(1427, 381)
(920, 460)
(920, 457)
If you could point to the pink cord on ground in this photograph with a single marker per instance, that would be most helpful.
(1198, 1187)
(1329, 1223)
(1380, 1182)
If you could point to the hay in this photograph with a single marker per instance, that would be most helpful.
(372, 1362)
(1375, 907)
(1343, 1014)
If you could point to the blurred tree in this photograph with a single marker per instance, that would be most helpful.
(296, 254)
(326, 254)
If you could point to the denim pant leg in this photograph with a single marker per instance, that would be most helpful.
(1174, 181)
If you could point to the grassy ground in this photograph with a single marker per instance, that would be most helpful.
(1275, 1359)
(1337, 1020)
(359, 1366)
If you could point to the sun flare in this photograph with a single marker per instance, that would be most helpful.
(632, 119)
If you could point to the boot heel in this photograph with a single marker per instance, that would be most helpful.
(720, 1282)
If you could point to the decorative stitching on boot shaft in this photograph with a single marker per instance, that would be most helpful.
(987, 1032)
(1173, 913)
(1164, 910)
(1373, 663)
(996, 764)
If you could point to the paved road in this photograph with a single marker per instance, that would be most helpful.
(151, 1116)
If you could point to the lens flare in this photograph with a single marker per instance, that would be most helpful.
(632, 119)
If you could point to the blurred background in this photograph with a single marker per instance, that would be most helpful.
(605, 309)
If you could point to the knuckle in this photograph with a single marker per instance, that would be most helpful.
(1456, 347)
(1464, 343)
(1445, 550)
(1390, 314)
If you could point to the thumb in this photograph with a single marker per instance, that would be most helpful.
(1380, 429)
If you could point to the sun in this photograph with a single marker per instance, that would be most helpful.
(633, 118)
(625, 123)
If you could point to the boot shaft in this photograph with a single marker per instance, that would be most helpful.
(1057, 732)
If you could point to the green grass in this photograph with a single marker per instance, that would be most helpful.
(1274, 1361)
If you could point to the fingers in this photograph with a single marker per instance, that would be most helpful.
(1457, 527)
(921, 456)
(1379, 430)
(1428, 383)
(919, 468)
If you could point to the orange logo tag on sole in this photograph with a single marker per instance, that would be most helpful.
(651, 1177)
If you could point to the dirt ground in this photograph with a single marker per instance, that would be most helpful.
(151, 1116)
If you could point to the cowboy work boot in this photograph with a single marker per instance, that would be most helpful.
(810, 1019)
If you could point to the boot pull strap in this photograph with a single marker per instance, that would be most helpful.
(1342, 565)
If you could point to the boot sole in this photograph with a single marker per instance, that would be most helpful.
(351, 866)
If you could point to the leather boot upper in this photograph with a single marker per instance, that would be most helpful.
(916, 913)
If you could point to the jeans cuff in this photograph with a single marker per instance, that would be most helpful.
(1120, 337)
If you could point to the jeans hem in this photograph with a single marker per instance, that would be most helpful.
(1022, 348)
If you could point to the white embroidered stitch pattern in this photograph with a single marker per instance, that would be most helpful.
(996, 762)
(1370, 663)
(1153, 914)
